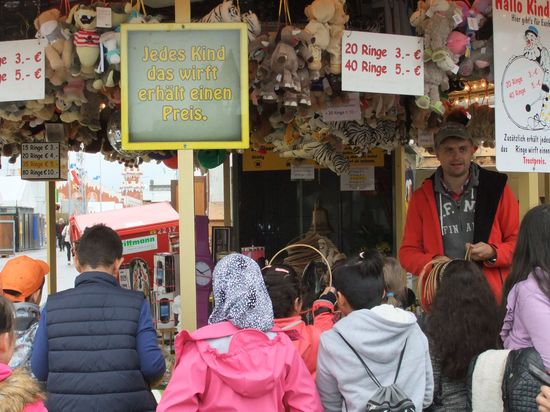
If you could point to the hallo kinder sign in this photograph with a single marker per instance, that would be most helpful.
(184, 86)
(530, 7)
(522, 85)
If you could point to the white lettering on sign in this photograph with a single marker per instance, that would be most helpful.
(21, 70)
(345, 112)
(360, 178)
(302, 172)
(382, 63)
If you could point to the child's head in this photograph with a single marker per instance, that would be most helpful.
(240, 295)
(360, 282)
(532, 250)
(23, 279)
(284, 288)
(463, 320)
(99, 247)
(395, 278)
(7, 326)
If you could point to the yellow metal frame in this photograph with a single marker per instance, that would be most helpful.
(125, 29)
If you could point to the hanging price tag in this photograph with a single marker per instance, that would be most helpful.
(473, 23)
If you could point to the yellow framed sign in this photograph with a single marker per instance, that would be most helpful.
(184, 86)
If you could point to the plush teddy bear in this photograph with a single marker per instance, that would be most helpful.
(434, 79)
(437, 29)
(319, 13)
(418, 17)
(73, 92)
(86, 40)
(119, 13)
(59, 49)
(337, 24)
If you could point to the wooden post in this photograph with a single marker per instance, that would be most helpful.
(186, 206)
(51, 236)
(227, 203)
(399, 190)
(528, 192)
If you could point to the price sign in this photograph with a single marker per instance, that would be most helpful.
(21, 70)
(382, 63)
(43, 161)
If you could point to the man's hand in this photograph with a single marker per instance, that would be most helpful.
(543, 400)
(481, 251)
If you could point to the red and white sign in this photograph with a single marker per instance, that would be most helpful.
(382, 63)
(21, 70)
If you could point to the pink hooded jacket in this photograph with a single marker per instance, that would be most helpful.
(226, 369)
(17, 386)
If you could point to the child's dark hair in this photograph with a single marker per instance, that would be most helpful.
(7, 316)
(361, 280)
(99, 246)
(283, 286)
(463, 319)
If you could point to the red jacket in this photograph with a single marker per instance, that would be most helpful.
(496, 223)
(307, 337)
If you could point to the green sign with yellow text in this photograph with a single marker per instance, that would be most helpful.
(184, 86)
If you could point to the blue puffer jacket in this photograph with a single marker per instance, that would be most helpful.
(92, 356)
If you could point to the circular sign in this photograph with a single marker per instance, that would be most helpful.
(203, 273)
(523, 94)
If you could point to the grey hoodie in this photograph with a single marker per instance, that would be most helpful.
(378, 335)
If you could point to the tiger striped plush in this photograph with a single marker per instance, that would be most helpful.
(228, 12)
(225, 12)
(362, 137)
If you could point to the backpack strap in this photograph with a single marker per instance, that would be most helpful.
(400, 359)
(369, 372)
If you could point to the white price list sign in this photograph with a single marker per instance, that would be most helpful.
(21, 70)
(358, 179)
(43, 161)
(382, 63)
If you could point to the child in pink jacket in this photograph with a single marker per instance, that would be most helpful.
(285, 291)
(18, 390)
(239, 362)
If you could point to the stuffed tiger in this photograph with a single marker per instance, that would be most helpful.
(363, 137)
(227, 12)
(322, 153)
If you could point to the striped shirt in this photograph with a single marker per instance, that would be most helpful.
(85, 38)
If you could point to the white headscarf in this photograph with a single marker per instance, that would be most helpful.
(240, 295)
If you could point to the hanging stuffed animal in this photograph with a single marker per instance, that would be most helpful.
(319, 13)
(86, 40)
(337, 24)
(434, 79)
(59, 49)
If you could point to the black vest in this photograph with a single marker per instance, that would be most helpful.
(92, 358)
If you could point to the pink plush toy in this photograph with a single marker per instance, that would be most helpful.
(457, 43)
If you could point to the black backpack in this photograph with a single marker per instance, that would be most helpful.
(386, 398)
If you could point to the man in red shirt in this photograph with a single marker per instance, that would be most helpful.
(461, 206)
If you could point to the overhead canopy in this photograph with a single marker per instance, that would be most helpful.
(130, 220)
